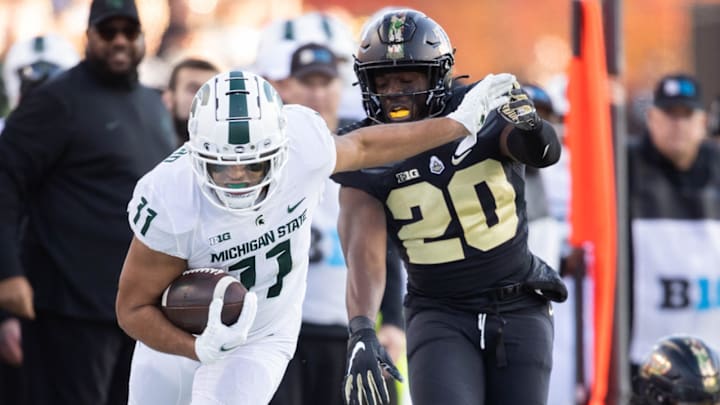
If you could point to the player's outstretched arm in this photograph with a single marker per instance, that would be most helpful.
(380, 144)
(145, 275)
(361, 227)
(364, 238)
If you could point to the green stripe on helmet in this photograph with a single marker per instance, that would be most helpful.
(238, 131)
(238, 101)
(39, 44)
(289, 30)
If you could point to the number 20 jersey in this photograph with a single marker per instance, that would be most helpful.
(458, 217)
(266, 249)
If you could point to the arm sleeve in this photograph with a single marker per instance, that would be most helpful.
(33, 141)
(391, 306)
(539, 147)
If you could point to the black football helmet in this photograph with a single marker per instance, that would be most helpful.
(680, 370)
(404, 39)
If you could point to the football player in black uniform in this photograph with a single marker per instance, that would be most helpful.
(680, 370)
(479, 324)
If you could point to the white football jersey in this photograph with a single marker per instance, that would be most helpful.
(267, 250)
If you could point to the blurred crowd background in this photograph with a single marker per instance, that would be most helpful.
(530, 39)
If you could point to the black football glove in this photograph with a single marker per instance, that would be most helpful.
(364, 382)
(520, 111)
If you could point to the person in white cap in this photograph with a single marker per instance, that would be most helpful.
(28, 64)
(31, 62)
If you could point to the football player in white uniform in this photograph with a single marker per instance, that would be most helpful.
(240, 196)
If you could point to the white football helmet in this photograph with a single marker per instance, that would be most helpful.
(31, 61)
(237, 119)
(279, 39)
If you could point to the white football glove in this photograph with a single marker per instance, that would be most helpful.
(218, 340)
(490, 93)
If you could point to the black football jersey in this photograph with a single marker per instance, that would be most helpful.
(459, 220)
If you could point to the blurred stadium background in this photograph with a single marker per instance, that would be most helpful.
(531, 39)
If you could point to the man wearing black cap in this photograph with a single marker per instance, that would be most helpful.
(313, 81)
(674, 191)
(71, 154)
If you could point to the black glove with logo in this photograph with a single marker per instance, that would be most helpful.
(364, 382)
(520, 111)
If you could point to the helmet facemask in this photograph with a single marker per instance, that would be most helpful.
(426, 102)
(239, 194)
(238, 143)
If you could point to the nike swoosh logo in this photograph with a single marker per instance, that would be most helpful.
(291, 208)
(358, 346)
(457, 159)
(227, 349)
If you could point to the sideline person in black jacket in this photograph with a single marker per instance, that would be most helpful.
(70, 156)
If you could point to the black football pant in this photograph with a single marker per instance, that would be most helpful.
(448, 364)
(315, 374)
(78, 362)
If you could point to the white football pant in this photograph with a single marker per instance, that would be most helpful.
(248, 376)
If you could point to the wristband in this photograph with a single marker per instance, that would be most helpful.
(360, 322)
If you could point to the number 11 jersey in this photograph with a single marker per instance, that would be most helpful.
(266, 249)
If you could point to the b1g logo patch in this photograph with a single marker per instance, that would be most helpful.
(407, 175)
(214, 240)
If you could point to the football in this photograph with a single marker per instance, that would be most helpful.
(186, 301)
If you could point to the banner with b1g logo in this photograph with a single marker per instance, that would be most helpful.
(676, 283)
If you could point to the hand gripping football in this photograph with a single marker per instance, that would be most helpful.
(186, 300)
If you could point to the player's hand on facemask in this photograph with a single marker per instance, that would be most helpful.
(364, 383)
(520, 110)
(219, 340)
(487, 95)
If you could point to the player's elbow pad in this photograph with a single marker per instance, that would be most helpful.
(539, 147)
